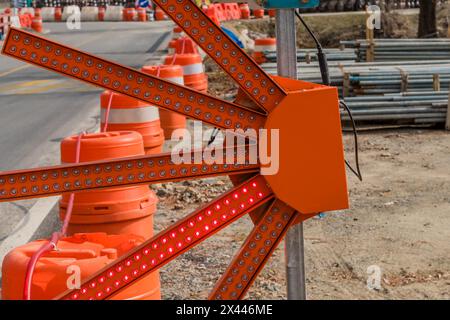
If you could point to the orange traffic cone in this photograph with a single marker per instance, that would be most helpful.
(193, 71)
(141, 14)
(258, 13)
(36, 22)
(245, 10)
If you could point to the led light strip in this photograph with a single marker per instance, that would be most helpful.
(174, 241)
(124, 80)
(253, 255)
(40, 182)
(225, 52)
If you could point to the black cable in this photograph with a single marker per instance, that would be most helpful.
(321, 55)
(323, 65)
(213, 136)
(357, 172)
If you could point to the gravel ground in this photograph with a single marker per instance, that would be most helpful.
(398, 222)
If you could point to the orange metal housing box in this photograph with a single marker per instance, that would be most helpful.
(311, 176)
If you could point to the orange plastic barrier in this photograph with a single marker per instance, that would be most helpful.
(213, 13)
(25, 20)
(258, 13)
(141, 14)
(128, 114)
(261, 45)
(236, 12)
(83, 253)
(170, 121)
(101, 13)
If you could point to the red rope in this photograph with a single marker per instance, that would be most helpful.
(56, 236)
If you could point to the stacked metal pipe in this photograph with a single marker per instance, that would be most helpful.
(409, 108)
(401, 49)
(310, 55)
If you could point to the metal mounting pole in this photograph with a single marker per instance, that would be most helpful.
(287, 67)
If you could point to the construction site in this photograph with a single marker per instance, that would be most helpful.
(219, 150)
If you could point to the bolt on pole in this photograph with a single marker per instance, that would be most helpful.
(287, 67)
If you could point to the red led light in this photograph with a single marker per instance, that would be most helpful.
(164, 240)
(191, 224)
(101, 279)
(233, 211)
(179, 244)
(161, 256)
(199, 218)
(144, 267)
(83, 291)
(108, 289)
(128, 263)
(155, 246)
(116, 283)
(126, 278)
(135, 273)
(242, 206)
(170, 250)
(215, 222)
(227, 202)
(208, 212)
(153, 261)
(182, 229)
(188, 239)
(260, 194)
(197, 234)
(235, 196)
(92, 285)
(146, 251)
(137, 257)
(99, 294)
(244, 190)
(224, 217)
(254, 184)
(206, 228)
(110, 274)
(119, 269)
(251, 200)
(75, 296)
(173, 234)
(217, 206)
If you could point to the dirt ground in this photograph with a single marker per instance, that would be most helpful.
(399, 221)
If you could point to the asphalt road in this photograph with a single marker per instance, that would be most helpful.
(39, 108)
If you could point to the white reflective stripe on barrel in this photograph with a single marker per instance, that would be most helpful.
(191, 69)
(260, 48)
(136, 115)
(178, 80)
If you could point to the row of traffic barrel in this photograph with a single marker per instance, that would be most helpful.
(106, 223)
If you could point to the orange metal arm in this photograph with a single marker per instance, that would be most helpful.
(210, 37)
(124, 80)
(150, 169)
(174, 241)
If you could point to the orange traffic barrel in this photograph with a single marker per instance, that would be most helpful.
(186, 45)
(177, 33)
(160, 14)
(78, 256)
(272, 13)
(117, 210)
(245, 10)
(172, 46)
(129, 14)
(262, 45)
(58, 14)
(36, 22)
(141, 14)
(101, 13)
(193, 70)
(128, 114)
(258, 13)
(170, 121)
